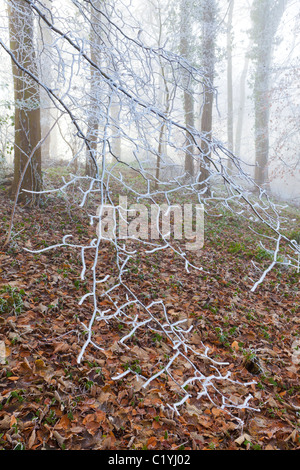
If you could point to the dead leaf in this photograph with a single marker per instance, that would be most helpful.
(60, 439)
(137, 384)
(151, 443)
(5, 423)
(244, 437)
(42, 308)
(39, 364)
(93, 421)
(217, 412)
(31, 439)
(60, 347)
(155, 425)
(193, 410)
(64, 423)
(2, 352)
(294, 436)
(25, 367)
(13, 420)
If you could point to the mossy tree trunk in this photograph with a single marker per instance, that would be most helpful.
(27, 103)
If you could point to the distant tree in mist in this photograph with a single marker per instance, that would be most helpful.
(229, 77)
(208, 59)
(185, 51)
(265, 16)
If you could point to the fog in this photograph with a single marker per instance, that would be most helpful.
(284, 155)
(283, 92)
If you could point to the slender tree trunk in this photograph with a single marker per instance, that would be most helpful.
(161, 144)
(266, 16)
(229, 82)
(45, 39)
(262, 111)
(159, 154)
(206, 130)
(165, 100)
(116, 142)
(188, 99)
(241, 108)
(209, 31)
(27, 101)
(94, 106)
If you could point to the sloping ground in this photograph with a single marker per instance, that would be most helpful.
(48, 401)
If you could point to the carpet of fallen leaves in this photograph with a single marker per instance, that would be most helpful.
(49, 401)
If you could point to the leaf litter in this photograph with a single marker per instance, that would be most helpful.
(49, 401)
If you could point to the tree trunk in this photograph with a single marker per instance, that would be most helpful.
(209, 31)
(27, 102)
(116, 143)
(241, 108)
(188, 99)
(45, 39)
(165, 100)
(229, 83)
(94, 105)
(261, 87)
(266, 17)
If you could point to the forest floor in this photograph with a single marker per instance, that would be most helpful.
(49, 401)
